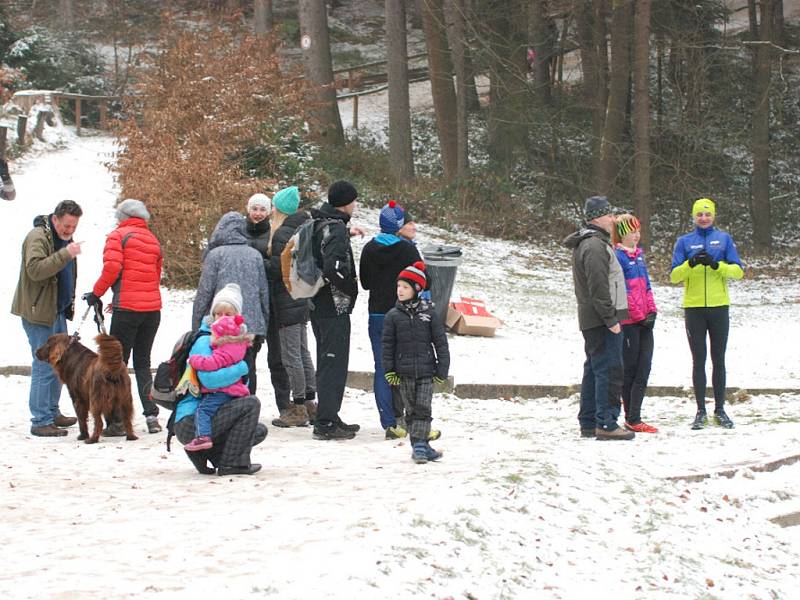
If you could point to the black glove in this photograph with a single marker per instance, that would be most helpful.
(4, 174)
(91, 299)
(704, 258)
(698, 259)
(649, 321)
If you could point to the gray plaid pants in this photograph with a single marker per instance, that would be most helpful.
(416, 396)
(234, 429)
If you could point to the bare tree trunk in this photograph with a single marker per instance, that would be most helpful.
(319, 70)
(752, 13)
(400, 153)
(611, 142)
(456, 33)
(584, 25)
(762, 219)
(444, 95)
(415, 13)
(505, 30)
(263, 20)
(537, 24)
(599, 34)
(778, 29)
(641, 116)
(66, 14)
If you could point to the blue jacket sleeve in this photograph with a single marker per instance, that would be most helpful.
(731, 255)
(221, 377)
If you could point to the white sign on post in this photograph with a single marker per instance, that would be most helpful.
(305, 41)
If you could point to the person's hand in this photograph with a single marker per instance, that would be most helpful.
(392, 378)
(354, 231)
(649, 321)
(4, 174)
(74, 248)
(91, 299)
(615, 329)
(438, 380)
(705, 259)
(700, 258)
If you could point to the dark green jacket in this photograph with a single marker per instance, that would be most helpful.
(36, 296)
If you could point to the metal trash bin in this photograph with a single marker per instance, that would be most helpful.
(441, 264)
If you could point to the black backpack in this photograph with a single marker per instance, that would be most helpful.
(169, 373)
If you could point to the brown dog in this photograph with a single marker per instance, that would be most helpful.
(98, 383)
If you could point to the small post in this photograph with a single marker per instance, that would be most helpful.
(355, 112)
(22, 123)
(3, 138)
(77, 116)
(103, 115)
(38, 130)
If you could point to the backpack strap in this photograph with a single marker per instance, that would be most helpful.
(170, 429)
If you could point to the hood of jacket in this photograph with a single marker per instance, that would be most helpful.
(229, 231)
(574, 239)
(326, 211)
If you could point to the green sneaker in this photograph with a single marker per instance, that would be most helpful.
(395, 433)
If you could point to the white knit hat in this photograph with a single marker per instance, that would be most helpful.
(132, 208)
(231, 295)
(259, 200)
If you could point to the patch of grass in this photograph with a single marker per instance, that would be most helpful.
(421, 522)
(514, 478)
(470, 511)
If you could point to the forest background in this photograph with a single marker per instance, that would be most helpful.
(537, 104)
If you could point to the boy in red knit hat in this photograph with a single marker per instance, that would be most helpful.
(415, 355)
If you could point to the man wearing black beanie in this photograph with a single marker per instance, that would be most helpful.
(332, 305)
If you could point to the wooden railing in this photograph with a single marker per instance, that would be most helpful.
(358, 83)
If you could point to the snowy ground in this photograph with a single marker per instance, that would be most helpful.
(519, 507)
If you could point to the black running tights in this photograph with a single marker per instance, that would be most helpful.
(712, 321)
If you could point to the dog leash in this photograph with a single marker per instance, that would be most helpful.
(101, 326)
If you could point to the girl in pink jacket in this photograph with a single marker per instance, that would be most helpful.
(229, 341)
(637, 345)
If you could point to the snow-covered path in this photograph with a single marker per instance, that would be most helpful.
(520, 506)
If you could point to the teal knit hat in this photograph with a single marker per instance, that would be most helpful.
(287, 200)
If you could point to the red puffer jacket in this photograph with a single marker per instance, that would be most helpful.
(132, 267)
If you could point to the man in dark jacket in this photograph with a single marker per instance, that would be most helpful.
(330, 318)
(45, 300)
(382, 259)
(602, 304)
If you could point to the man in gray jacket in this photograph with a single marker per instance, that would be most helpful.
(602, 304)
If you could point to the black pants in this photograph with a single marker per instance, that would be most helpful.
(136, 332)
(637, 357)
(713, 321)
(278, 375)
(333, 354)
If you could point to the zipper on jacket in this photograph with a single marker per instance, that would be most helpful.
(36, 301)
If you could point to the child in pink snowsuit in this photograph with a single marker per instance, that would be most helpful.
(229, 341)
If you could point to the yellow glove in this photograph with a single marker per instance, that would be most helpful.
(393, 378)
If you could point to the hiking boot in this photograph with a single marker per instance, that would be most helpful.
(641, 427)
(311, 409)
(587, 432)
(202, 442)
(62, 421)
(618, 434)
(251, 469)
(419, 453)
(342, 425)
(395, 433)
(114, 430)
(432, 453)
(294, 415)
(48, 431)
(722, 419)
(200, 462)
(700, 420)
(153, 426)
(331, 431)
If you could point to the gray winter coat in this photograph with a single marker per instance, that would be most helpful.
(598, 278)
(231, 260)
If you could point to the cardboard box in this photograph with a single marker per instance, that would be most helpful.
(470, 317)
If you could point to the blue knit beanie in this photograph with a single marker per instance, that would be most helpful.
(393, 217)
(287, 200)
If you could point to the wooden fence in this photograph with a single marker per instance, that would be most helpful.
(362, 80)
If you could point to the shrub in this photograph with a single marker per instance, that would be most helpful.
(213, 109)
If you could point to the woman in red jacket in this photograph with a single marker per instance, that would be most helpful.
(132, 269)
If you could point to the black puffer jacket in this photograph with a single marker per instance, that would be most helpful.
(288, 311)
(335, 257)
(414, 341)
